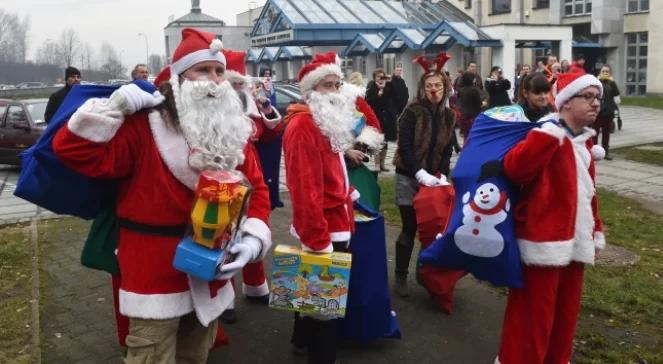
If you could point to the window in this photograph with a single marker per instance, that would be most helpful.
(3, 108)
(16, 116)
(634, 6)
(468, 4)
(541, 4)
(577, 7)
(636, 63)
(501, 6)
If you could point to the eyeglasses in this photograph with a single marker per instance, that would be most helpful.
(589, 97)
(330, 84)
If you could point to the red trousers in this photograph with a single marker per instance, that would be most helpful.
(540, 319)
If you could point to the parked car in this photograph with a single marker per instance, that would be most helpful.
(21, 124)
(31, 85)
(286, 95)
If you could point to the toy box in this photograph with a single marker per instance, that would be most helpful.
(310, 283)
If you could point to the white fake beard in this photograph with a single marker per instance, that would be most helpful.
(334, 114)
(213, 123)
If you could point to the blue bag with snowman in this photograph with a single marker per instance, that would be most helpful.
(480, 237)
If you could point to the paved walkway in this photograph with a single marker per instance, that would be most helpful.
(76, 310)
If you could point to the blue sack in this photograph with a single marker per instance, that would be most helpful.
(368, 315)
(46, 182)
(480, 237)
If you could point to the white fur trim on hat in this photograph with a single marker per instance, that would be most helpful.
(309, 81)
(598, 152)
(202, 55)
(574, 87)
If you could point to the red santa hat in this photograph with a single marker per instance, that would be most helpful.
(196, 47)
(164, 75)
(570, 84)
(322, 65)
(235, 65)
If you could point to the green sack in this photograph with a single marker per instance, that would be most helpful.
(366, 182)
(99, 249)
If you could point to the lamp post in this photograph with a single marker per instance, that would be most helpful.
(147, 53)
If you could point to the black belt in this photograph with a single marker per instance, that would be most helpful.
(173, 231)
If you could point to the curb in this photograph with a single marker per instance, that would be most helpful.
(35, 357)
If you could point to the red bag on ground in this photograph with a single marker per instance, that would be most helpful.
(433, 207)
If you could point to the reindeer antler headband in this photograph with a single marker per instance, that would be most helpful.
(439, 62)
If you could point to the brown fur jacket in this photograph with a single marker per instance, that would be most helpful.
(426, 138)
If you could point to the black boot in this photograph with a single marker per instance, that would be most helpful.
(404, 246)
(322, 349)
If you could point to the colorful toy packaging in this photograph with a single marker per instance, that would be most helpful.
(310, 283)
(220, 204)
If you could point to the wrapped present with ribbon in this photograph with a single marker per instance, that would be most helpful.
(220, 203)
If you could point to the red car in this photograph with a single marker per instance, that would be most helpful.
(21, 124)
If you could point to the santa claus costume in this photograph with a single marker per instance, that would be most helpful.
(267, 126)
(156, 155)
(318, 133)
(558, 231)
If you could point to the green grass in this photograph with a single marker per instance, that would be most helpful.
(15, 294)
(648, 101)
(622, 307)
(640, 155)
(387, 204)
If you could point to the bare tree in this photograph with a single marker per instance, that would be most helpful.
(110, 61)
(87, 55)
(13, 37)
(69, 45)
(49, 53)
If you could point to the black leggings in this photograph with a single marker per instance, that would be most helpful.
(408, 221)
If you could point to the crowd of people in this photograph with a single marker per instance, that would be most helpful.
(473, 96)
(156, 140)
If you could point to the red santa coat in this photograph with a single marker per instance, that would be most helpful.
(557, 215)
(318, 183)
(263, 133)
(156, 186)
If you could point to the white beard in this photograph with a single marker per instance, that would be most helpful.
(213, 124)
(334, 114)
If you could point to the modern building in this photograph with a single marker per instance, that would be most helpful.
(282, 34)
(233, 37)
(616, 32)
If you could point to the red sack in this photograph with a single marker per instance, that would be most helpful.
(433, 207)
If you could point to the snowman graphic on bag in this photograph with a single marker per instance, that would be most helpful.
(477, 235)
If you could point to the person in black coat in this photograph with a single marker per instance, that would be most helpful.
(381, 96)
(604, 120)
(401, 91)
(497, 87)
(468, 104)
(533, 96)
(72, 77)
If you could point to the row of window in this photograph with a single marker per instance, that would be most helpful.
(636, 63)
(571, 7)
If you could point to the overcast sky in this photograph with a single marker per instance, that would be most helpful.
(116, 21)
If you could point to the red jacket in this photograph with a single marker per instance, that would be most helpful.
(318, 183)
(150, 162)
(557, 215)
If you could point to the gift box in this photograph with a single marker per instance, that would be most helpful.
(310, 283)
(197, 260)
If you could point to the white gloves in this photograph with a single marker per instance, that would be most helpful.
(429, 180)
(245, 251)
(131, 98)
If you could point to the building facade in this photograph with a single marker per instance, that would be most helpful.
(617, 32)
(233, 37)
